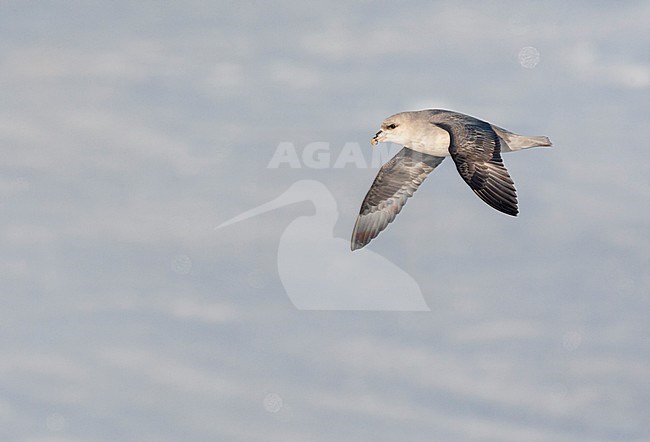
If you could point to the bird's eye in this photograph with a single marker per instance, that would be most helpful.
(391, 126)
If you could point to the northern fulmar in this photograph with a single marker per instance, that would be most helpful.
(428, 136)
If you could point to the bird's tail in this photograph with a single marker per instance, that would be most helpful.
(512, 141)
(536, 141)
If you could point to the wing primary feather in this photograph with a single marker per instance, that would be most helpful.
(394, 184)
(476, 151)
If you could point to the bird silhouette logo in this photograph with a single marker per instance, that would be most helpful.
(317, 270)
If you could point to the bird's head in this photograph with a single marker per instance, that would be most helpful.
(393, 130)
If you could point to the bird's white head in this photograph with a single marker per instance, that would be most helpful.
(393, 129)
(415, 130)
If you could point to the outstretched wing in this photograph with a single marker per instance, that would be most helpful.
(476, 150)
(397, 180)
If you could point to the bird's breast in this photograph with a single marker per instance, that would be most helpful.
(433, 141)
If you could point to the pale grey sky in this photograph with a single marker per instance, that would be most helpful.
(130, 130)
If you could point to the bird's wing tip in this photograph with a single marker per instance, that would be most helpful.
(357, 244)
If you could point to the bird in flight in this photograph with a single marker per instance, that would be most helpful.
(428, 136)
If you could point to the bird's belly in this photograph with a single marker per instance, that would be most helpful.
(436, 144)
